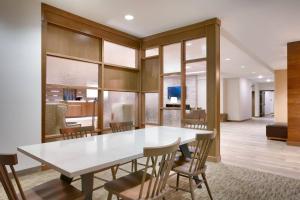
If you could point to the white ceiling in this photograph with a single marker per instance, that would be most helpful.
(254, 32)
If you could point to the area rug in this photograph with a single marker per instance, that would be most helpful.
(226, 182)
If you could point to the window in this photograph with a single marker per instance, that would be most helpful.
(196, 85)
(172, 90)
(151, 52)
(71, 73)
(195, 49)
(119, 55)
(172, 58)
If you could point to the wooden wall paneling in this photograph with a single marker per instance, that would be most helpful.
(88, 27)
(76, 38)
(141, 96)
(280, 107)
(183, 81)
(293, 77)
(66, 42)
(161, 86)
(101, 91)
(213, 86)
(43, 92)
(120, 79)
(184, 33)
(150, 74)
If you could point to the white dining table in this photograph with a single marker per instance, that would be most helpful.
(84, 156)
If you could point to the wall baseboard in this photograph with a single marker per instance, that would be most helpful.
(292, 143)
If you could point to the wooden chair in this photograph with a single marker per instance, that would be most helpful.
(85, 131)
(196, 165)
(121, 126)
(126, 126)
(193, 124)
(52, 190)
(77, 132)
(72, 133)
(144, 185)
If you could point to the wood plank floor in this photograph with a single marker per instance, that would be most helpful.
(245, 144)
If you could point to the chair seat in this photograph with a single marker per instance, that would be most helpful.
(128, 187)
(182, 165)
(54, 190)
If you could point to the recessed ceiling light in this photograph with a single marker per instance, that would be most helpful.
(227, 59)
(188, 44)
(253, 72)
(260, 77)
(268, 80)
(188, 67)
(129, 17)
(243, 66)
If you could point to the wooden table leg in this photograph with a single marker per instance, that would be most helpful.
(66, 179)
(87, 182)
(187, 154)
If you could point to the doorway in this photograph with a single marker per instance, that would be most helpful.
(266, 102)
(253, 103)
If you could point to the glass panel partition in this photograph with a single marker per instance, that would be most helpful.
(71, 94)
(151, 108)
(195, 49)
(172, 58)
(196, 80)
(151, 52)
(119, 55)
(120, 107)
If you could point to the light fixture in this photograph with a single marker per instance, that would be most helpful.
(188, 44)
(129, 17)
(227, 59)
(253, 72)
(188, 67)
(268, 80)
(260, 77)
(243, 66)
(55, 91)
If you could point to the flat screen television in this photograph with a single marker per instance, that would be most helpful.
(174, 91)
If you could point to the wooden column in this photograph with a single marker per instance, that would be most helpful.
(213, 87)
(293, 77)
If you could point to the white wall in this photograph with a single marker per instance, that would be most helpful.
(245, 99)
(231, 98)
(237, 98)
(20, 79)
(266, 86)
(221, 95)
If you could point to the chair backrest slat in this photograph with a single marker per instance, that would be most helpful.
(194, 124)
(121, 126)
(204, 142)
(77, 132)
(157, 184)
(9, 161)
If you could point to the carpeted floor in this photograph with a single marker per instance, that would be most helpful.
(226, 182)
